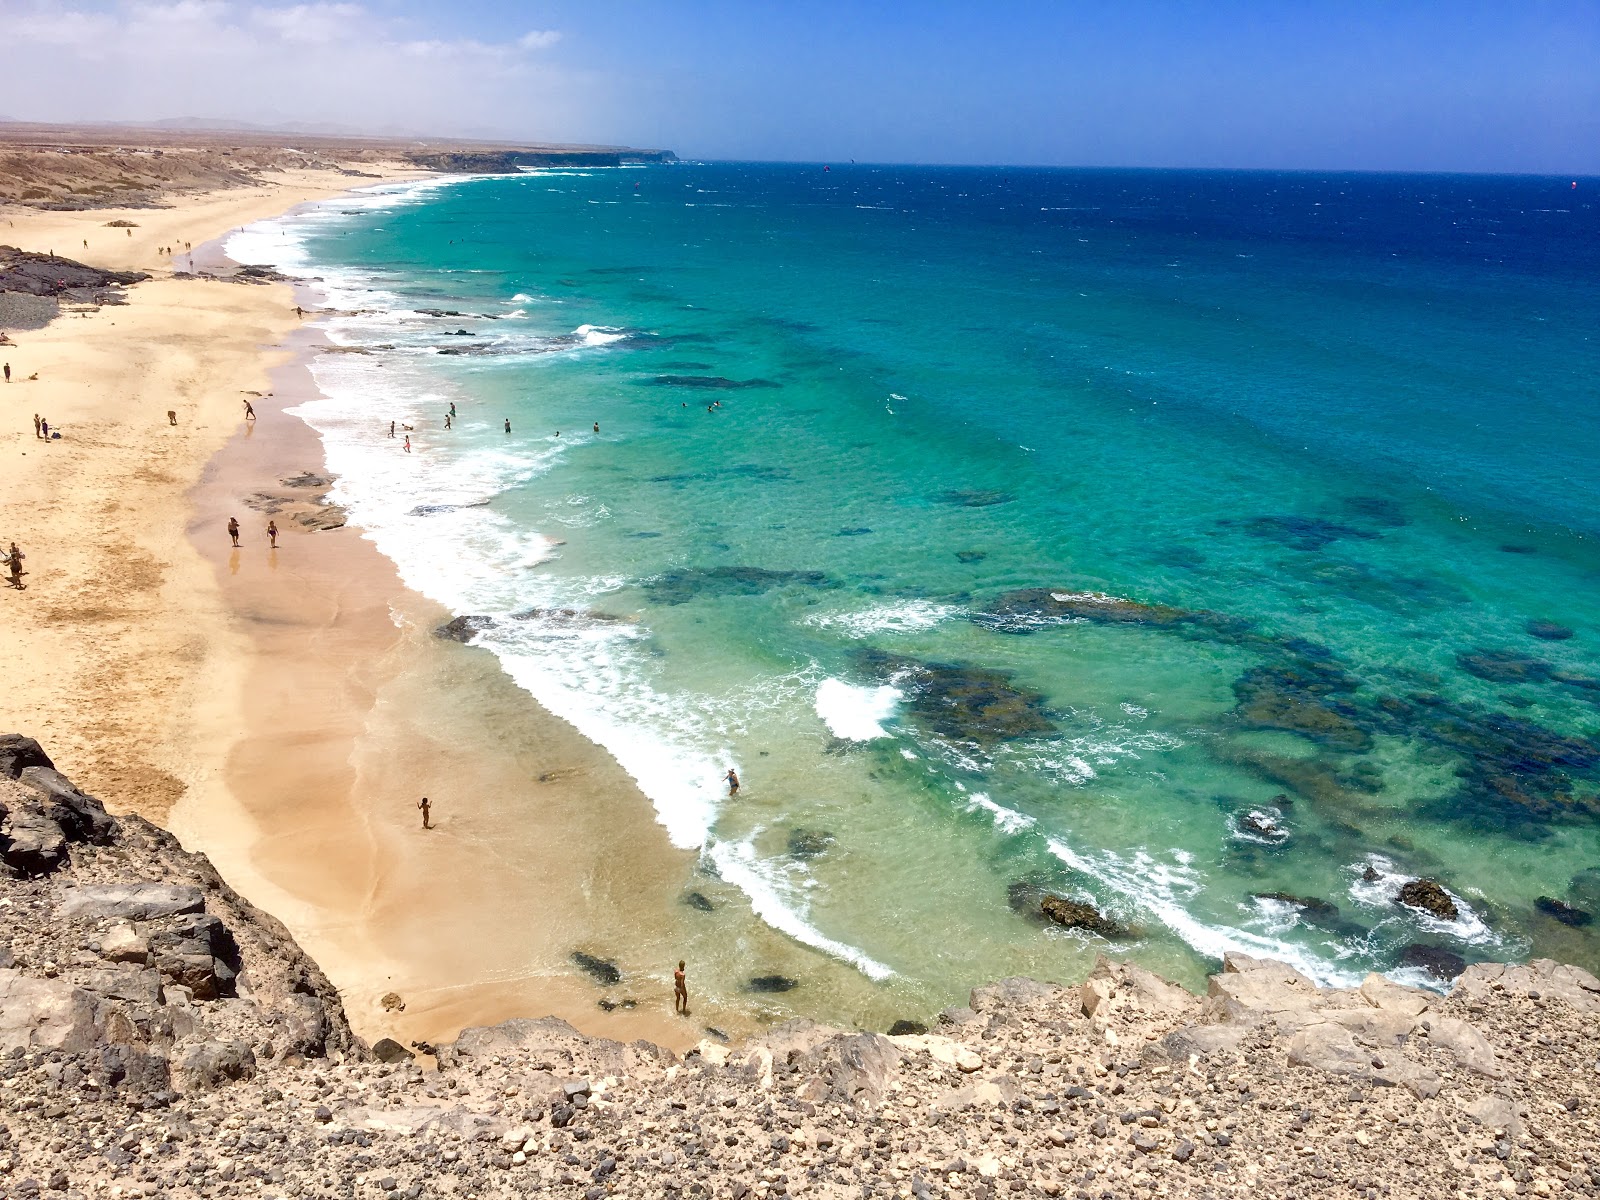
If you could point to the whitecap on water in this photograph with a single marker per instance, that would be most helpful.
(900, 616)
(856, 713)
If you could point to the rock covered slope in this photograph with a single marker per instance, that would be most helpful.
(161, 1037)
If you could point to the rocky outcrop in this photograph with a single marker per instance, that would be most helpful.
(54, 277)
(129, 960)
(506, 162)
(1428, 895)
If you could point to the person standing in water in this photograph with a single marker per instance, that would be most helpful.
(508, 424)
(452, 408)
(391, 428)
(272, 532)
(733, 781)
(249, 411)
(680, 990)
(408, 443)
(597, 426)
(233, 529)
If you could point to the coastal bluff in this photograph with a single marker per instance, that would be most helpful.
(161, 1036)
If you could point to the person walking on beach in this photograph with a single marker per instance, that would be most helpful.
(233, 529)
(249, 412)
(172, 416)
(408, 443)
(44, 430)
(427, 810)
(733, 781)
(447, 420)
(391, 428)
(36, 424)
(272, 532)
(680, 991)
(14, 561)
(298, 311)
(8, 372)
(452, 408)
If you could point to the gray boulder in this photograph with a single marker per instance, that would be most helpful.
(131, 901)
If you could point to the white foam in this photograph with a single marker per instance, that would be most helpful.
(899, 616)
(765, 885)
(1380, 893)
(1006, 820)
(1166, 890)
(599, 335)
(856, 713)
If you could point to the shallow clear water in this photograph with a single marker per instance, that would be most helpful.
(878, 450)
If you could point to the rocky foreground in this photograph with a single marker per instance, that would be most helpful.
(160, 1036)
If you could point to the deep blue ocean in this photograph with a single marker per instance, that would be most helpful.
(1218, 549)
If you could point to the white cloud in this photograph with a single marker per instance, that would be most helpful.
(325, 61)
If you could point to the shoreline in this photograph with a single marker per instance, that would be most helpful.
(169, 693)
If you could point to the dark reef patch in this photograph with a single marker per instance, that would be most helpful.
(711, 382)
(1504, 666)
(688, 583)
(1566, 913)
(963, 702)
(755, 471)
(1304, 533)
(463, 629)
(1548, 631)
(771, 983)
(971, 556)
(806, 844)
(973, 497)
(1376, 510)
(1305, 696)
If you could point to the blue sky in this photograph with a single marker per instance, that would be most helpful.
(1376, 86)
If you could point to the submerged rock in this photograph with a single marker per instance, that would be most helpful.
(1313, 908)
(808, 843)
(1548, 631)
(971, 556)
(1428, 895)
(713, 382)
(1304, 533)
(1504, 666)
(687, 583)
(974, 497)
(772, 983)
(1435, 960)
(698, 900)
(1305, 697)
(602, 970)
(1563, 912)
(902, 1027)
(966, 703)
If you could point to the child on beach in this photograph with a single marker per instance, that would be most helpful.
(408, 443)
(233, 529)
(272, 533)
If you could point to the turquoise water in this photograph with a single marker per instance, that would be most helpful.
(1151, 539)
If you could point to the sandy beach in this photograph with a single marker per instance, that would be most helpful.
(283, 710)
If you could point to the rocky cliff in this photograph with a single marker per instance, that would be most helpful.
(160, 1036)
(500, 162)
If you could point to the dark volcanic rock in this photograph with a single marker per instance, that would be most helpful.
(903, 1027)
(772, 983)
(52, 275)
(1429, 896)
(1313, 907)
(1563, 912)
(685, 584)
(698, 900)
(463, 629)
(973, 704)
(1435, 960)
(388, 1050)
(603, 971)
(1548, 631)
(1074, 915)
(1029, 608)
